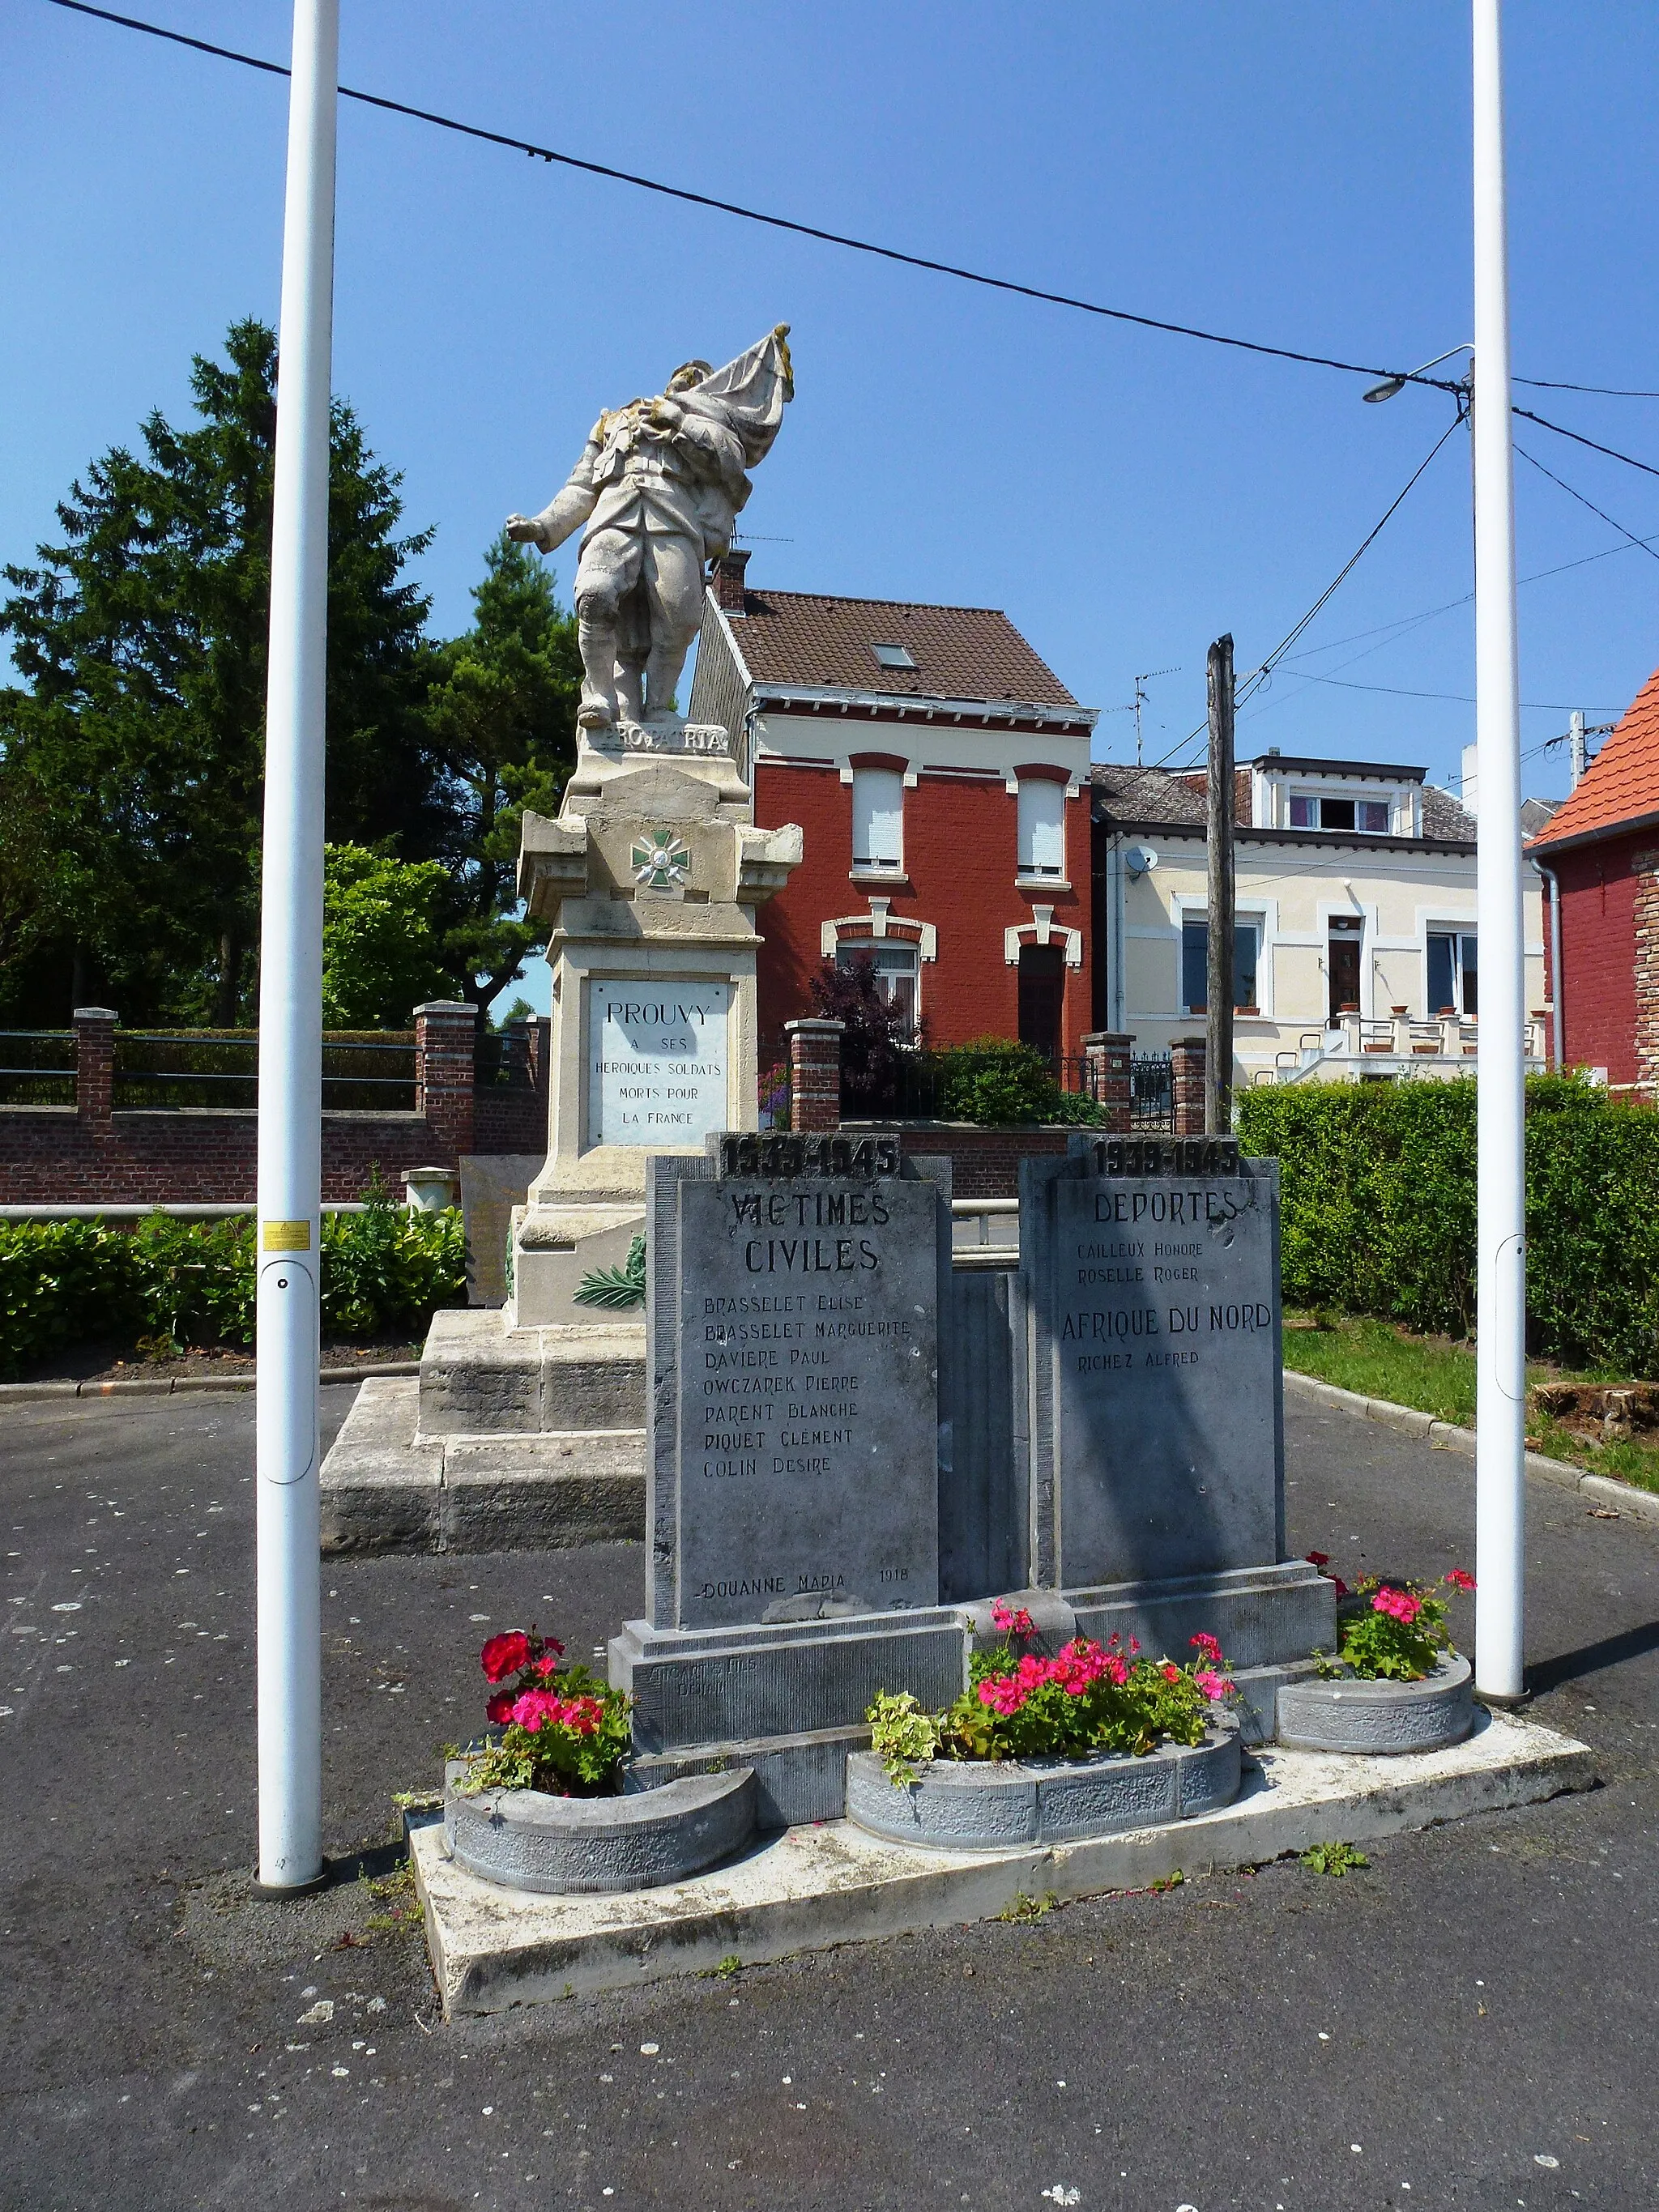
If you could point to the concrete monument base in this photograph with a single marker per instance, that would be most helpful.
(813, 1887)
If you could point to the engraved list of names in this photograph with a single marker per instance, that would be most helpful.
(808, 1396)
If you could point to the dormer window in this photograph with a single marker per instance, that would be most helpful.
(1317, 811)
(892, 656)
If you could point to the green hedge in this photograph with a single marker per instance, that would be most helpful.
(1379, 1209)
(64, 1283)
(997, 1084)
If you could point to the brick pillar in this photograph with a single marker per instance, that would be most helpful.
(444, 1032)
(814, 1074)
(1187, 1056)
(1106, 1069)
(95, 1064)
(538, 1050)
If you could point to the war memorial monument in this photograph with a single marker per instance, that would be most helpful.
(848, 1458)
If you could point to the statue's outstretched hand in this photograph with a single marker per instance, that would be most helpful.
(520, 528)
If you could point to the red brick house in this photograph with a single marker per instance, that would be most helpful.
(1599, 855)
(941, 772)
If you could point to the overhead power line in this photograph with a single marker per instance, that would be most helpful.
(756, 214)
(1259, 675)
(1561, 482)
(1579, 438)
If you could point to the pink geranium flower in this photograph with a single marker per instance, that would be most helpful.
(1460, 1579)
(1399, 1605)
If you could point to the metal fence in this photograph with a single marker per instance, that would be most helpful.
(171, 1070)
(500, 1059)
(1152, 1093)
(37, 1067)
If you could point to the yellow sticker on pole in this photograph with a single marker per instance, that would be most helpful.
(286, 1237)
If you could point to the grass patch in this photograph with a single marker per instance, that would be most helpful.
(1436, 1374)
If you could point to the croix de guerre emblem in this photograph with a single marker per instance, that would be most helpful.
(662, 864)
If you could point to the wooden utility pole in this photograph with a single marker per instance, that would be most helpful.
(1218, 989)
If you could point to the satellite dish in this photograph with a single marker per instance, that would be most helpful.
(1140, 860)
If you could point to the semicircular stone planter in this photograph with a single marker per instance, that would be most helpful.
(984, 1804)
(1379, 1718)
(525, 1839)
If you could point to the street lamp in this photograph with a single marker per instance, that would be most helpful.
(1390, 385)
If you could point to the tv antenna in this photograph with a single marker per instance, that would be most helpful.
(1140, 701)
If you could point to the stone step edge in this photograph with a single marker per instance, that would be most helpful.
(164, 1386)
(1446, 1435)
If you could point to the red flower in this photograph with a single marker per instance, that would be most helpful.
(549, 1662)
(1170, 1671)
(504, 1654)
(499, 1710)
(1339, 1586)
(1207, 1648)
(1460, 1579)
(1320, 1560)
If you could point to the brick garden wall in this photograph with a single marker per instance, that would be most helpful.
(87, 1155)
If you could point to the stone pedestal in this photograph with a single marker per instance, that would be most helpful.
(650, 878)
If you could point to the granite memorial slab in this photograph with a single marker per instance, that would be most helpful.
(794, 1452)
(1157, 1440)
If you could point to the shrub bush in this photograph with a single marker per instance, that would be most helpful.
(998, 1084)
(1378, 1183)
(64, 1283)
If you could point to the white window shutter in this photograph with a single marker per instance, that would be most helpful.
(1041, 827)
(878, 818)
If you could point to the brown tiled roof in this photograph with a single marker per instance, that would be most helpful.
(1152, 795)
(960, 653)
(1622, 782)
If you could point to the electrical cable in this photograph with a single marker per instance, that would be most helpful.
(1579, 438)
(1252, 682)
(1562, 485)
(755, 214)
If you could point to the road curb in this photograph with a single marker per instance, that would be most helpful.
(166, 1386)
(1446, 1435)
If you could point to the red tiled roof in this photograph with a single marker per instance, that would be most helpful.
(960, 653)
(1621, 784)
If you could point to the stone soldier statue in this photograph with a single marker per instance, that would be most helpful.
(659, 486)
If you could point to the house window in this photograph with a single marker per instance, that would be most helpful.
(1042, 828)
(1368, 815)
(1454, 972)
(1195, 964)
(878, 818)
(895, 967)
(892, 656)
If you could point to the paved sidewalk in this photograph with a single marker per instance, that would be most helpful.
(1481, 1999)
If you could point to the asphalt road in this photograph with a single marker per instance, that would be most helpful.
(1469, 2022)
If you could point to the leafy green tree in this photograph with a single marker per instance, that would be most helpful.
(502, 713)
(381, 950)
(137, 734)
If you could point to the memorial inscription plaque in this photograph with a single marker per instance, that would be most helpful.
(656, 1060)
(793, 1461)
(1157, 1393)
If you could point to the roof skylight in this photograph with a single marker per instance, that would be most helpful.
(893, 656)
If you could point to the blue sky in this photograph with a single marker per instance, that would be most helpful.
(1296, 173)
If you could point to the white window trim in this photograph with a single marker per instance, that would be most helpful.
(875, 922)
(1041, 930)
(1189, 906)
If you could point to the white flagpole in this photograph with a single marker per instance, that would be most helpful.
(290, 991)
(1501, 1281)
